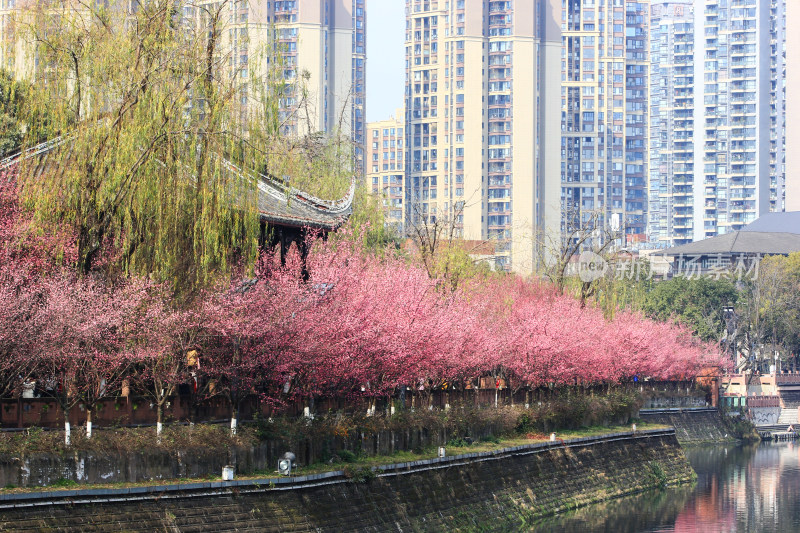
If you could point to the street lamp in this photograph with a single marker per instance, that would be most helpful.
(729, 315)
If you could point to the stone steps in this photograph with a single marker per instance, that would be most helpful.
(789, 413)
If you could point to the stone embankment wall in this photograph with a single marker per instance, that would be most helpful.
(505, 490)
(692, 426)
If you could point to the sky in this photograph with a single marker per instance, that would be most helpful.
(385, 57)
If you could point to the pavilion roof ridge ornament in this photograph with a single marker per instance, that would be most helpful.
(271, 185)
(278, 202)
(33, 151)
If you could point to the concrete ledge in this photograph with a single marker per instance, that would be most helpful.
(661, 410)
(189, 490)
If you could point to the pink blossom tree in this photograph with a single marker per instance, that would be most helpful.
(82, 347)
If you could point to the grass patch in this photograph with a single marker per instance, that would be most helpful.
(63, 483)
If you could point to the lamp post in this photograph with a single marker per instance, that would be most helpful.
(729, 315)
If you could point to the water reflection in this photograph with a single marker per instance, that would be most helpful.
(739, 488)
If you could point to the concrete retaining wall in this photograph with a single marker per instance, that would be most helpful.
(496, 491)
(764, 416)
(692, 426)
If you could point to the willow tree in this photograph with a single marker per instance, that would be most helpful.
(147, 103)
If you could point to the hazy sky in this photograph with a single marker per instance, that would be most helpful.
(385, 57)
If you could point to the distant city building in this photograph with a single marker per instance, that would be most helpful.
(672, 122)
(792, 102)
(482, 124)
(328, 41)
(604, 99)
(740, 96)
(718, 108)
(385, 166)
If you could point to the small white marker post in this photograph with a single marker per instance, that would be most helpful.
(552, 437)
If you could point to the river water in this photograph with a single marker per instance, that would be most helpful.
(739, 488)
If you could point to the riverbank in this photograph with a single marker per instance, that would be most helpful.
(500, 490)
(740, 487)
(702, 425)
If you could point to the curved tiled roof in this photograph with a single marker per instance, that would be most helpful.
(777, 222)
(740, 242)
(771, 234)
(278, 203)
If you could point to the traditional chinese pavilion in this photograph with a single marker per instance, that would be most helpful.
(287, 215)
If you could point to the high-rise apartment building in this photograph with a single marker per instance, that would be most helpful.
(777, 80)
(324, 42)
(718, 128)
(672, 121)
(792, 103)
(741, 95)
(385, 167)
(482, 121)
(604, 97)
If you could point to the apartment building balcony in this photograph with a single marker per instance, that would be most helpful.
(742, 197)
(742, 99)
(743, 36)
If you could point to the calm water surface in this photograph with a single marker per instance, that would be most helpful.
(739, 488)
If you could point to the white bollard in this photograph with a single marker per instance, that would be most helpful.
(227, 473)
(634, 428)
(441, 451)
(552, 437)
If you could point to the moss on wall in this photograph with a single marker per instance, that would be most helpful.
(702, 425)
